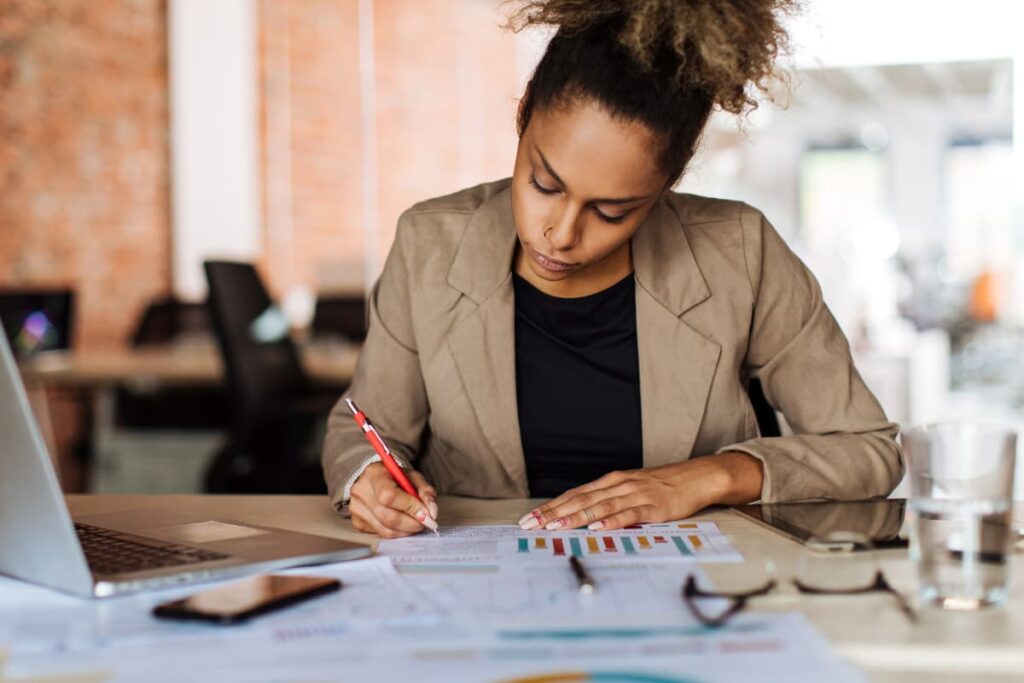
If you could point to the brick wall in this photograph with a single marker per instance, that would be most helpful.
(444, 98)
(84, 156)
(84, 160)
(310, 113)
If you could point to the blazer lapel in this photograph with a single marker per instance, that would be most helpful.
(483, 342)
(677, 362)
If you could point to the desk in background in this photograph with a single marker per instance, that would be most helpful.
(191, 364)
(98, 375)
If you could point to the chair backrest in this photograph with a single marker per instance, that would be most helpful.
(168, 318)
(260, 369)
(343, 315)
(767, 420)
(37, 319)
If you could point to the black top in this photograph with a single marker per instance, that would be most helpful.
(577, 385)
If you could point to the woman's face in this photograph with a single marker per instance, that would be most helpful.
(582, 185)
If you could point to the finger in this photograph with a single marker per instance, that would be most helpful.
(388, 494)
(364, 514)
(588, 515)
(562, 516)
(427, 493)
(549, 511)
(397, 520)
(638, 514)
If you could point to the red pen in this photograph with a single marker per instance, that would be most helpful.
(389, 462)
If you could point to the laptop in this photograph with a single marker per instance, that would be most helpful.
(131, 550)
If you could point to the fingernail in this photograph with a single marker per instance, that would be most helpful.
(557, 524)
(433, 509)
(528, 522)
(596, 525)
(421, 515)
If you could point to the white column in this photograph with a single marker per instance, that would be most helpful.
(215, 204)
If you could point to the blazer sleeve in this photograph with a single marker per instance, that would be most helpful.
(843, 447)
(387, 385)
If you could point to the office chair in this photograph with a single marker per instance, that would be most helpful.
(767, 420)
(278, 418)
(167, 319)
(164, 321)
(341, 316)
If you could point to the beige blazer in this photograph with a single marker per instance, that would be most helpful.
(719, 298)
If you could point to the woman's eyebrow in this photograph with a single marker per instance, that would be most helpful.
(547, 167)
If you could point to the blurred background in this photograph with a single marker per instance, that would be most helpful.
(161, 157)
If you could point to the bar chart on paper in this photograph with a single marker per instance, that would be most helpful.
(701, 541)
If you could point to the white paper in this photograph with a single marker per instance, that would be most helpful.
(507, 545)
(465, 607)
(548, 594)
(681, 541)
(373, 595)
(753, 649)
(457, 547)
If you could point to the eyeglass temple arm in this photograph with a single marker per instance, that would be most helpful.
(738, 601)
(883, 584)
(880, 584)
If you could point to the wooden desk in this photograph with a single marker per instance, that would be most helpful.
(867, 629)
(191, 365)
(97, 374)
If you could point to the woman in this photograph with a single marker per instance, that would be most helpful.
(583, 332)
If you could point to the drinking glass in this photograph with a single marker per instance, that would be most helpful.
(961, 480)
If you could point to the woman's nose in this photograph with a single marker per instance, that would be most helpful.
(564, 233)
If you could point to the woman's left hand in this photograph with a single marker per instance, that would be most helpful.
(653, 494)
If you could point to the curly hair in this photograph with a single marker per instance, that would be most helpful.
(663, 63)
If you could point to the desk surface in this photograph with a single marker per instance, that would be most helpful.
(867, 629)
(192, 364)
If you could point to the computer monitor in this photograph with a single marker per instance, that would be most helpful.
(37, 320)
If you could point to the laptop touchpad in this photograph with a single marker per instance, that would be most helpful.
(205, 532)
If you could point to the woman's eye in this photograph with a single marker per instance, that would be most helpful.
(603, 216)
(610, 219)
(539, 188)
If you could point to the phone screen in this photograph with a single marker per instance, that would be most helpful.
(880, 520)
(244, 599)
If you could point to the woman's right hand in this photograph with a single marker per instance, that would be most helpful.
(379, 506)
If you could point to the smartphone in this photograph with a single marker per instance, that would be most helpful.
(881, 520)
(242, 600)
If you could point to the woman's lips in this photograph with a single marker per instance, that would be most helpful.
(548, 263)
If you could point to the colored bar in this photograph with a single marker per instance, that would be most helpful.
(644, 543)
(695, 540)
(524, 545)
(683, 550)
(687, 526)
(541, 543)
(592, 544)
(576, 549)
(609, 544)
(660, 539)
(559, 546)
(627, 543)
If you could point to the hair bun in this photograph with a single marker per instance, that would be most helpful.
(721, 46)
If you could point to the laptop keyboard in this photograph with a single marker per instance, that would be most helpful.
(111, 552)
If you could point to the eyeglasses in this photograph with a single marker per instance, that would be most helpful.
(836, 564)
